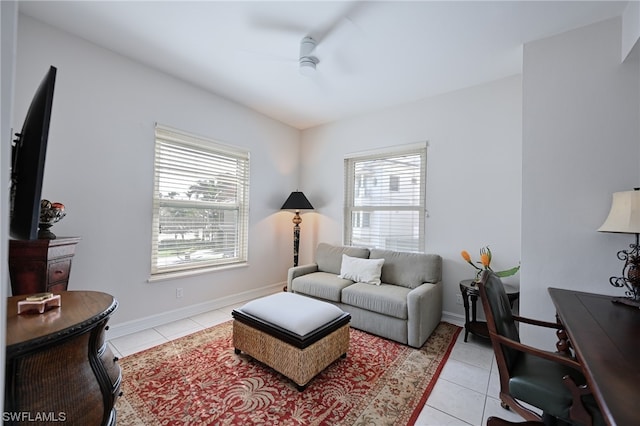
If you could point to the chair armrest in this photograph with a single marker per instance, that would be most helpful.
(298, 271)
(551, 356)
(538, 322)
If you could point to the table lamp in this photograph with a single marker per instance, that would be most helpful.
(624, 217)
(296, 201)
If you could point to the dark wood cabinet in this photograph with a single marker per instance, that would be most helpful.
(58, 365)
(37, 266)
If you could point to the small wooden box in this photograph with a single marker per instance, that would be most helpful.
(39, 305)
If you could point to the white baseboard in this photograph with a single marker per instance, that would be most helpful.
(452, 318)
(134, 326)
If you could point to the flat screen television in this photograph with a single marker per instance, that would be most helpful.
(27, 162)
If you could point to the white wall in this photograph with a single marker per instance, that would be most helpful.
(9, 20)
(100, 165)
(473, 173)
(580, 144)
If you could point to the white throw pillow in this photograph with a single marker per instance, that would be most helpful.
(361, 270)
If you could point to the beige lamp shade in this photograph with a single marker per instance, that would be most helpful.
(624, 216)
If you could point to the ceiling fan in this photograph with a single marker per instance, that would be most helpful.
(308, 57)
(307, 61)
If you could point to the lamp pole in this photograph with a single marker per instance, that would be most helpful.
(297, 220)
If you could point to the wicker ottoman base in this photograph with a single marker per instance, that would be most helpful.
(299, 365)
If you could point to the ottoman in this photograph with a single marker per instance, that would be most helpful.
(295, 335)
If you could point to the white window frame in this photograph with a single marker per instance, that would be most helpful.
(355, 203)
(170, 144)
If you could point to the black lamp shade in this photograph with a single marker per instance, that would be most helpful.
(297, 201)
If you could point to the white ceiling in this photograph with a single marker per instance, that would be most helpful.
(372, 54)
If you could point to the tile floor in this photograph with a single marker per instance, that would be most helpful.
(465, 394)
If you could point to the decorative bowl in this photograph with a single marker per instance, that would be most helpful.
(50, 213)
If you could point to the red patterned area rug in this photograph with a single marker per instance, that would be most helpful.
(199, 380)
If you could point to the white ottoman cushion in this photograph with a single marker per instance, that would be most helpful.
(298, 314)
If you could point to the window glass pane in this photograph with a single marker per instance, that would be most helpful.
(392, 230)
(385, 200)
(388, 181)
(196, 235)
(200, 203)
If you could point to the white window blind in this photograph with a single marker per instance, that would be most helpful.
(200, 203)
(385, 199)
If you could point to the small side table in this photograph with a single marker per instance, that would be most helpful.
(469, 290)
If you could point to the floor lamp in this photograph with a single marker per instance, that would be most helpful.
(296, 201)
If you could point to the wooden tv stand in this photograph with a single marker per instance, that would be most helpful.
(58, 364)
(39, 266)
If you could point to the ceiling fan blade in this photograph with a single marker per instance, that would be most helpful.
(277, 25)
(348, 48)
(345, 18)
(344, 42)
(263, 56)
(318, 80)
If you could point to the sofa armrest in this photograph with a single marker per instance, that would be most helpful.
(298, 271)
(424, 305)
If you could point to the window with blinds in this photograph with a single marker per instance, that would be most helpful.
(200, 203)
(385, 199)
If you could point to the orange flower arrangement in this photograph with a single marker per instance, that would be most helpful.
(485, 261)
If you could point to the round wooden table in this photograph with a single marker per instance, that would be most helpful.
(58, 365)
(470, 293)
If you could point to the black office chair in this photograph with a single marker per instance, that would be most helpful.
(552, 382)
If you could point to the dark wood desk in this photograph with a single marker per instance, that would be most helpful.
(606, 339)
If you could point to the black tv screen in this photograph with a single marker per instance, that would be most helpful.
(28, 157)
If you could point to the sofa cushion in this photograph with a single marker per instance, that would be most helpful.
(408, 269)
(361, 270)
(384, 299)
(329, 257)
(322, 285)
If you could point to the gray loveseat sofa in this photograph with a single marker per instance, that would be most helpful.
(407, 304)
